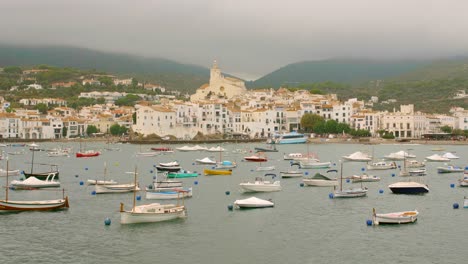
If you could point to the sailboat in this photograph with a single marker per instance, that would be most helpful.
(102, 182)
(87, 154)
(41, 175)
(109, 148)
(147, 154)
(312, 162)
(38, 205)
(348, 193)
(150, 213)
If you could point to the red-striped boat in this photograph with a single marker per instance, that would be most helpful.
(162, 149)
(88, 154)
(256, 158)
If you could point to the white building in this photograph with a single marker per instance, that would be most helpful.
(405, 123)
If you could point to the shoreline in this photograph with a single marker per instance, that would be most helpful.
(364, 141)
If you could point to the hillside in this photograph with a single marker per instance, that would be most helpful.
(173, 75)
(344, 71)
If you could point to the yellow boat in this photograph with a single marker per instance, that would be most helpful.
(217, 172)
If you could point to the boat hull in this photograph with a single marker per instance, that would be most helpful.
(291, 174)
(129, 217)
(182, 175)
(396, 218)
(353, 193)
(87, 155)
(115, 188)
(41, 175)
(252, 187)
(216, 172)
(169, 169)
(45, 205)
(167, 194)
(320, 183)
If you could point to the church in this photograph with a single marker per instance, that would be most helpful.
(219, 87)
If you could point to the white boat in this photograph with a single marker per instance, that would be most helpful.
(313, 164)
(358, 156)
(267, 168)
(100, 182)
(253, 202)
(414, 164)
(16, 152)
(364, 178)
(168, 193)
(449, 169)
(291, 174)
(417, 172)
(437, 158)
(34, 183)
(147, 154)
(115, 188)
(408, 188)
(400, 155)
(260, 185)
(3, 173)
(216, 149)
(450, 155)
(200, 148)
(381, 165)
(187, 148)
(169, 164)
(206, 161)
(320, 180)
(293, 156)
(288, 138)
(465, 202)
(395, 218)
(58, 154)
(226, 164)
(348, 193)
(150, 213)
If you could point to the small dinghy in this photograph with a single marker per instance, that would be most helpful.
(395, 218)
(253, 202)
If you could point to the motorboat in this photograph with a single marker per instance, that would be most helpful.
(465, 202)
(205, 161)
(320, 180)
(226, 164)
(4, 173)
(437, 158)
(417, 172)
(169, 164)
(148, 154)
(168, 168)
(208, 172)
(449, 169)
(265, 168)
(381, 165)
(216, 149)
(58, 153)
(408, 188)
(291, 174)
(182, 174)
(260, 149)
(414, 164)
(256, 158)
(450, 155)
(314, 164)
(293, 156)
(400, 155)
(260, 185)
(395, 218)
(288, 138)
(34, 183)
(253, 202)
(364, 178)
(463, 182)
(358, 156)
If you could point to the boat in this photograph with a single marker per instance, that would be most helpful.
(147, 154)
(165, 183)
(417, 172)
(207, 172)
(168, 168)
(37, 205)
(400, 155)
(450, 155)
(348, 193)
(104, 181)
(169, 164)
(34, 183)
(288, 138)
(205, 161)
(187, 148)
(465, 202)
(18, 145)
(395, 218)
(182, 174)
(226, 165)
(463, 182)
(313, 164)
(260, 149)
(449, 169)
(115, 188)
(41, 175)
(167, 194)
(414, 164)
(437, 158)
(4, 173)
(408, 188)
(16, 152)
(293, 156)
(256, 158)
(253, 202)
(364, 178)
(267, 168)
(260, 185)
(358, 156)
(58, 153)
(199, 148)
(291, 174)
(87, 154)
(163, 149)
(150, 213)
(320, 180)
(438, 149)
(216, 149)
(381, 165)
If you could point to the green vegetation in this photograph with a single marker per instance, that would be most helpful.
(128, 100)
(91, 130)
(317, 124)
(117, 130)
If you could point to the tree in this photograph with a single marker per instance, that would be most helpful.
(42, 108)
(134, 118)
(117, 130)
(446, 129)
(309, 121)
(134, 82)
(128, 100)
(64, 131)
(13, 70)
(101, 100)
(91, 129)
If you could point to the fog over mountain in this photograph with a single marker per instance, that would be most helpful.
(248, 38)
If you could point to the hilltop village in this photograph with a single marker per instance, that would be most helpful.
(222, 107)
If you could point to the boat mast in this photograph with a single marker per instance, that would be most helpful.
(134, 189)
(341, 176)
(6, 190)
(32, 159)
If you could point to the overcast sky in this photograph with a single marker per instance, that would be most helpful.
(249, 38)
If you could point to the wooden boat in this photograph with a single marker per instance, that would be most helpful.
(253, 202)
(260, 185)
(167, 193)
(320, 181)
(150, 213)
(207, 172)
(182, 174)
(87, 154)
(34, 183)
(449, 169)
(115, 188)
(395, 218)
(255, 158)
(38, 205)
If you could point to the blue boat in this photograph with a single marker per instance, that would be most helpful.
(288, 138)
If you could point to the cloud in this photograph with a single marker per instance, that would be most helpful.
(251, 37)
